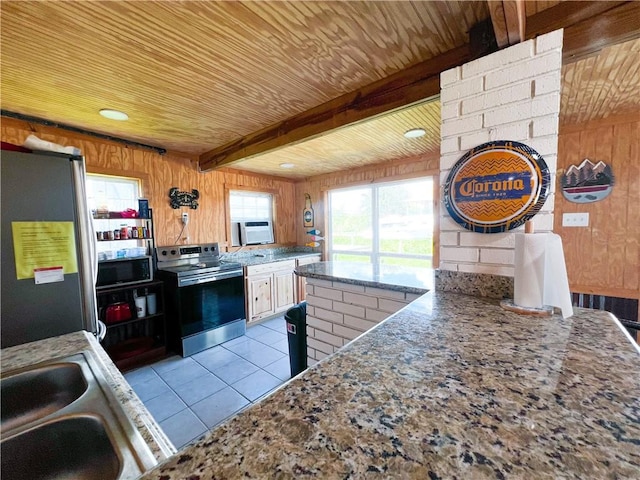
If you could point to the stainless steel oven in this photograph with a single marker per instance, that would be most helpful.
(204, 296)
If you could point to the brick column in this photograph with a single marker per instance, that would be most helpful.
(513, 94)
(339, 312)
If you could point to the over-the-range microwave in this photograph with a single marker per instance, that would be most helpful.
(124, 271)
(254, 232)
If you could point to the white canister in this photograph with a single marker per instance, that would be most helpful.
(151, 304)
(141, 307)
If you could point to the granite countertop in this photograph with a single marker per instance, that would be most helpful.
(452, 386)
(72, 343)
(390, 277)
(259, 258)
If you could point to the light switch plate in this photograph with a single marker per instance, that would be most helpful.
(575, 219)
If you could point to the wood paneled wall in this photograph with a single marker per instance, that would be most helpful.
(604, 258)
(159, 173)
(317, 186)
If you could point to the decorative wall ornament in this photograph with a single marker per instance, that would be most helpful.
(496, 186)
(307, 213)
(179, 199)
(587, 182)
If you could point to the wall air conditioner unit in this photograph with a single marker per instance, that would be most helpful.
(257, 232)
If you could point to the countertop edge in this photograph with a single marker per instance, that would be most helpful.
(400, 283)
(364, 283)
(256, 259)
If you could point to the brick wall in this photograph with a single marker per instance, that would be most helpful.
(339, 312)
(513, 94)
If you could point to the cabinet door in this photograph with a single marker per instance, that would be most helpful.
(284, 289)
(260, 292)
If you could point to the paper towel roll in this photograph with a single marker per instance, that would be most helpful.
(556, 283)
(528, 282)
(540, 276)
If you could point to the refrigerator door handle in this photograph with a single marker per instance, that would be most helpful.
(88, 248)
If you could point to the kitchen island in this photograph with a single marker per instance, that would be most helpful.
(450, 386)
(345, 299)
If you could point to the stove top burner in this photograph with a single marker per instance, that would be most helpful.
(200, 268)
(193, 260)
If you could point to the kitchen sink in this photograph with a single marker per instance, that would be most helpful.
(36, 393)
(73, 447)
(60, 420)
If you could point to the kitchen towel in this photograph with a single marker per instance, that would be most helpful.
(35, 143)
(540, 277)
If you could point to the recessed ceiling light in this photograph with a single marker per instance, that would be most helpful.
(114, 114)
(415, 132)
(287, 165)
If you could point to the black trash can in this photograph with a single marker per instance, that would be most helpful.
(296, 318)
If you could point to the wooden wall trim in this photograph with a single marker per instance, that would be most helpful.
(235, 171)
(431, 164)
(602, 122)
(607, 292)
(142, 176)
(391, 178)
(435, 259)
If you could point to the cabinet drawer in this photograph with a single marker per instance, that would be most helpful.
(270, 267)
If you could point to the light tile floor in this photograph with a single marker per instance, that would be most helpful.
(188, 396)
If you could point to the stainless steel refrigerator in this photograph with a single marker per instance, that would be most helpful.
(41, 191)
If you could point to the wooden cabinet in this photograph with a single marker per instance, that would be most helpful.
(133, 338)
(302, 281)
(270, 289)
(260, 297)
(285, 289)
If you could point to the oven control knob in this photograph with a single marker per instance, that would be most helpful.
(173, 252)
(206, 249)
(164, 252)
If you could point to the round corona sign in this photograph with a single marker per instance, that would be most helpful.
(496, 186)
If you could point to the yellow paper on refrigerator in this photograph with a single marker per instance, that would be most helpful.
(42, 245)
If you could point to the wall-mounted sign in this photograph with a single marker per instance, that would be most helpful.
(307, 213)
(587, 182)
(496, 186)
(178, 199)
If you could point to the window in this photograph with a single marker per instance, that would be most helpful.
(113, 193)
(245, 205)
(387, 223)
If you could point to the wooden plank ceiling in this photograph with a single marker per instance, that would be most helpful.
(196, 76)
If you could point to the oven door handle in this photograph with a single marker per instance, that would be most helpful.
(209, 278)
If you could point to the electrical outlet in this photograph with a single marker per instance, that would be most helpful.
(185, 218)
(575, 219)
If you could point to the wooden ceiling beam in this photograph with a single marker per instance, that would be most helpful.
(565, 14)
(402, 89)
(588, 37)
(514, 12)
(499, 21)
(588, 26)
(508, 19)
